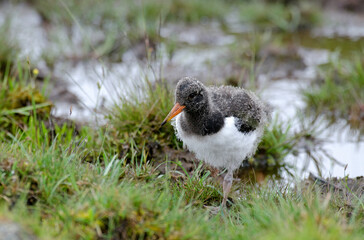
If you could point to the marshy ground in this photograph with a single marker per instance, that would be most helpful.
(84, 88)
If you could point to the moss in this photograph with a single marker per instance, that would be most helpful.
(19, 100)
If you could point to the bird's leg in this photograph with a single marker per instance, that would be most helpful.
(228, 181)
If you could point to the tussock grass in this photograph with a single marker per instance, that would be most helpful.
(136, 121)
(276, 144)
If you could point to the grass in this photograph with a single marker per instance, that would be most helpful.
(287, 215)
(277, 16)
(20, 99)
(136, 121)
(339, 94)
(76, 199)
(199, 188)
(84, 200)
(277, 143)
(69, 183)
(54, 187)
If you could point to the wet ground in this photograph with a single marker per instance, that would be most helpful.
(277, 71)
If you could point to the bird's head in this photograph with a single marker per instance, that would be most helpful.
(191, 96)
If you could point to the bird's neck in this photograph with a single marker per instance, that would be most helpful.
(206, 121)
(203, 110)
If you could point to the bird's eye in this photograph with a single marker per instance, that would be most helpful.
(192, 95)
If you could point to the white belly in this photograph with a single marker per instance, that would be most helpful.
(227, 148)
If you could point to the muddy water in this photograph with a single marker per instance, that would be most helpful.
(91, 86)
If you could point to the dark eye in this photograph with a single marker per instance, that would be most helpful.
(196, 96)
(192, 95)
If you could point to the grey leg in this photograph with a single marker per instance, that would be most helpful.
(228, 181)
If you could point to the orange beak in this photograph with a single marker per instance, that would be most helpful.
(177, 109)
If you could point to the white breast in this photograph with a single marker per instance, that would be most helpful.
(226, 148)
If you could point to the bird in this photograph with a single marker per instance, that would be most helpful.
(221, 125)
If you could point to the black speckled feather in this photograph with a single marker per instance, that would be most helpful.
(239, 103)
(207, 107)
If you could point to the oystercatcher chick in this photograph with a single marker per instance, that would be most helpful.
(221, 125)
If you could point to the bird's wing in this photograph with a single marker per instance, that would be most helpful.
(248, 110)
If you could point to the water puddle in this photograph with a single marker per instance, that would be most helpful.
(338, 140)
(341, 24)
(208, 33)
(98, 86)
(25, 29)
(341, 31)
